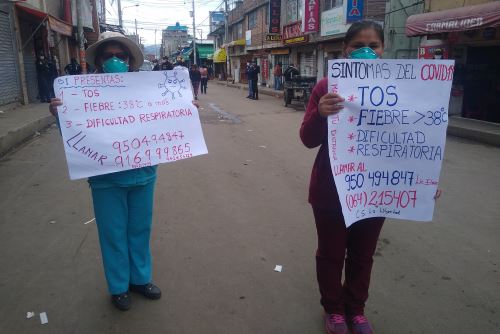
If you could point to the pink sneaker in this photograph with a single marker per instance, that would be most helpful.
(335, 324)
(358, 324)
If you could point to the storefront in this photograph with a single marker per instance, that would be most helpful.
(10, 87)
(470, 36)
(302, 54)
(220, 63)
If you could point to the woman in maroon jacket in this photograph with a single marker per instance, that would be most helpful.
(343, 304)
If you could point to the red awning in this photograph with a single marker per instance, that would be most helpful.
(453, 20)
(38, 16)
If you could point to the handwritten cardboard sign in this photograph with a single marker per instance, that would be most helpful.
(387, 145)
(121, 121)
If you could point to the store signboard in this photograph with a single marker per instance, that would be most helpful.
(248, 37)
(273, 38)
(354, 10)
(310, 19)
(274, 16)
(292, 34)
(333, 22)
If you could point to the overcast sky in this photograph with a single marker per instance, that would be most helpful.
(158, 14)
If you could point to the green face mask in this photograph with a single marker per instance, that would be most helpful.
(114, 65)
(363, 53)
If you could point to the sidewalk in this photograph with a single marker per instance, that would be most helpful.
(20, 124)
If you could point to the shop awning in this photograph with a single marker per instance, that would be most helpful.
(38, 16)
(204, 51)
(220, 56)
(237, 42)
(454, 20)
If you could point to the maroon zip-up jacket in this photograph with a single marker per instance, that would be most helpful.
(313, 133)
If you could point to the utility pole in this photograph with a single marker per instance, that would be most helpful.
(226, 37)
(137, 35)
(155, 46)
(194, 37)
(120, 19)
(79, 20)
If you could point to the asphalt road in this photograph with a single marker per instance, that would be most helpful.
(224, 220)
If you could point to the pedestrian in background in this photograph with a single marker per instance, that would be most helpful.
(73, 68)
(156, 66)
(43, 73)
(204, 78)
(278, 74)
(195, 76)
(123, 201)
(249, 75)
(166, 65)
(255, 80)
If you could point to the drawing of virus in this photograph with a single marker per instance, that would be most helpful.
(172, 84)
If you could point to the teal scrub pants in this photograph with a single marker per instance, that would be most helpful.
(123, 217)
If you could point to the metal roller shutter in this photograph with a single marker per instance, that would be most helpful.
(307, 64)
(10, 91)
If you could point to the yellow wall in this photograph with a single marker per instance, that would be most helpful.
(436, 5)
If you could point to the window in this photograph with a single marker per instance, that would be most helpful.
(329, 4)
(238, 31)
(252, 20)
(291, 10)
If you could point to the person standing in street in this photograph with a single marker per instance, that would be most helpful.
(249, 75)
(123, 201)
(278, 74)
(343, 302)
(255, 80)
(204, 78)
(73, 68)
(195, 76)
(43, 78)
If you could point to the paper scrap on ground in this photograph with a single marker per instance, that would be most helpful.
(30, 315)
(278, 268)
(387, 145)
(43, 318)
(116, 122)
(90, 221)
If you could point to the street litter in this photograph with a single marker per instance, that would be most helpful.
(43, 318)
(30, 315)
(202, 108)
(37, 133)
(262, 146)
(2, 112)
(90, 221)
(250, 130)
(52, 222)
(278, 268)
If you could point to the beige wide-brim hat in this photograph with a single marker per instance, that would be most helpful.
(137, 58)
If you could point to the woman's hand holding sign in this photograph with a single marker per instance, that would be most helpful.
(329, 104)
(54, 103)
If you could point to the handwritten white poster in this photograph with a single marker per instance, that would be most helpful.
(121, 121)
(387, 145)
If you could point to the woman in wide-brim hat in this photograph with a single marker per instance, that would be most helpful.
(123, 201)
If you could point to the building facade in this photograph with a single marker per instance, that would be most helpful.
(288, 32)
(174, 38)
(469, 33)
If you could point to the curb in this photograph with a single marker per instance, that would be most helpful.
(17, 136)
(481, 136)
(278, 93)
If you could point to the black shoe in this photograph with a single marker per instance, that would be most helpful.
(149, 290)
(121, 301)
(249, 97)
